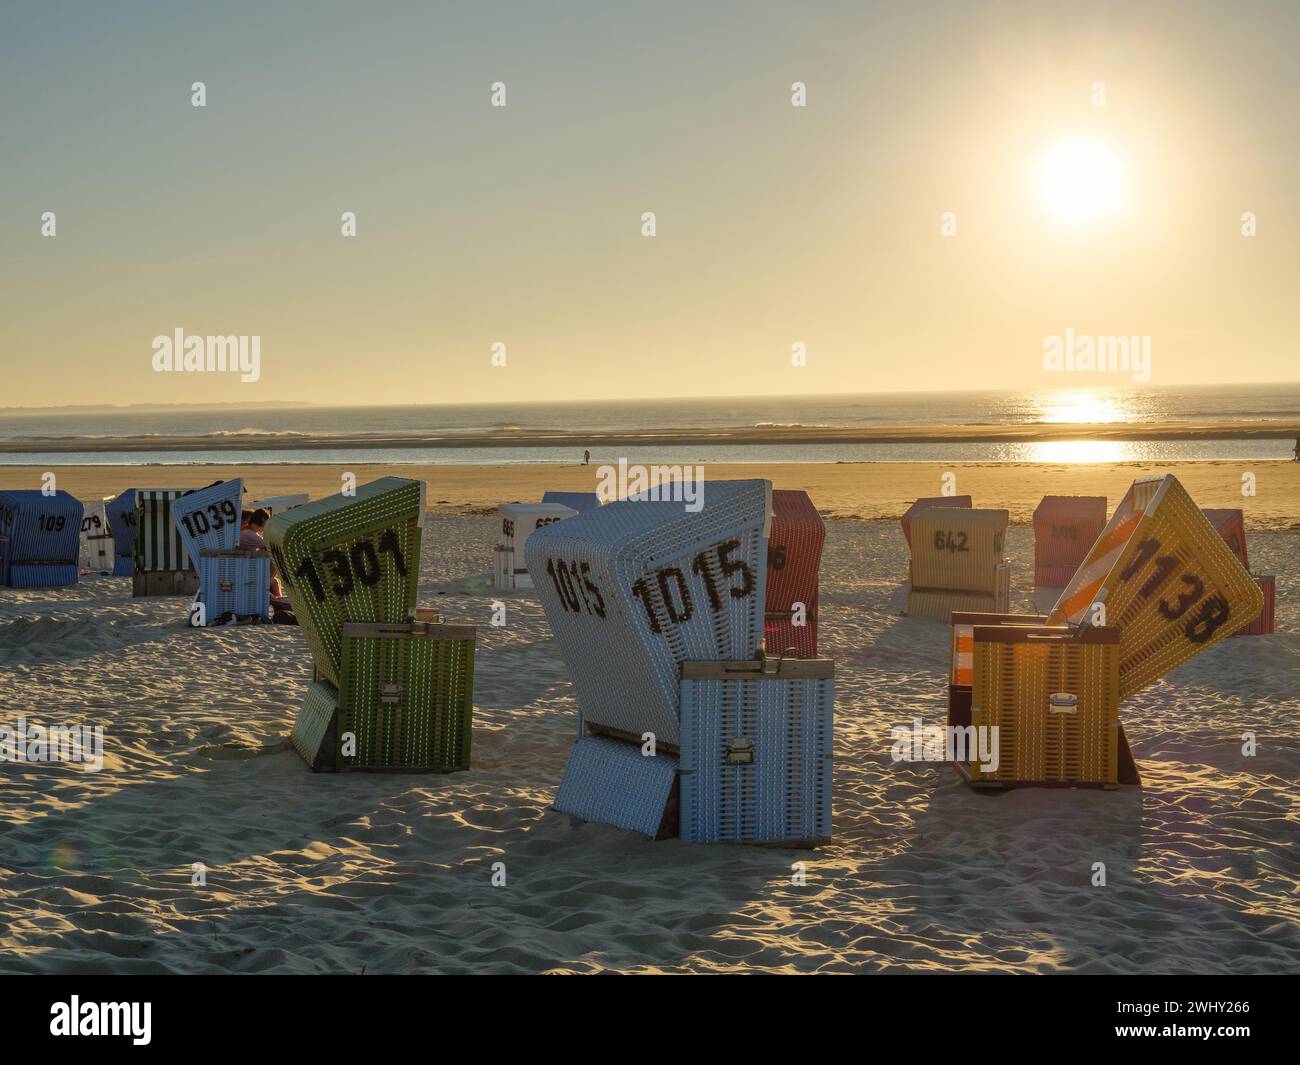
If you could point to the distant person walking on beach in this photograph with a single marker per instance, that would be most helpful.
(586, 455)
(1297, 449)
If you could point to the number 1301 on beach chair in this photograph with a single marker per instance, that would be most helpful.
(389, 692)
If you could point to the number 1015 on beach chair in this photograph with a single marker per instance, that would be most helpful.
(392, 690)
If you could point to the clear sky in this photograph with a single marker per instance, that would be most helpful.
(776, 225)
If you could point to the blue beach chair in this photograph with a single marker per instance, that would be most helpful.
(121, 526)
(44, 533)
(234, 582)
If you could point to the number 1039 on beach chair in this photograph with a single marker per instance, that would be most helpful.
(234, 582)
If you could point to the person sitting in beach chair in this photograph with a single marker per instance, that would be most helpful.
(251, 528)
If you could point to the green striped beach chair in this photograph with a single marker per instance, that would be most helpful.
(161, 564)
(388, 693)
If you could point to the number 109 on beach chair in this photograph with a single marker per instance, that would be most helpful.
(44, 537)
(389, 692)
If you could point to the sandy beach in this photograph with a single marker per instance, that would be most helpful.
(393, 873)
(864, 490)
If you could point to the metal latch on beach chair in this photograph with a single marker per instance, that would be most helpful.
(390, 694)
(1062, 703)
(739, 750)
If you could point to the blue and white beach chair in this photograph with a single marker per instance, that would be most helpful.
(97, 551)
(234, 582)
(120, 511)
(632, 590)
(44, 533)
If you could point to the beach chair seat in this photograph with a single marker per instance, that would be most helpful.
(611, 781)
(98, 554)
(162, 563)
(1065, 527)
(405, 703)
(1162, 576)
(1052, 693)
(349, 558)
(636, 587)
(518, 522)
(926, 503)
(44, 534)
(756, 751)
(234, 584)
(120, 512)
(794, 554)
(958, 563)
(579, 501)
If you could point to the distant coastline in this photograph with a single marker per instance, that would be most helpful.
(667, 437)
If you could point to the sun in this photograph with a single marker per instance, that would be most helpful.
(1081, 181)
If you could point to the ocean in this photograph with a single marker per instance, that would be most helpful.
(209, 430)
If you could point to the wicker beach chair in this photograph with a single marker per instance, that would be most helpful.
(756, 751)
(636, 587)
(1064, 528)
(120, 511)
(632, 590)
(579, 501)
(234, 582)
(958, 563)
(794, 555)
(390, 692)
(162, 563)
(1165, 579)
(518, 522)
(44, 534)
(98, 554)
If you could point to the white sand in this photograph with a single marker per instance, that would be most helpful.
(391, 873)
